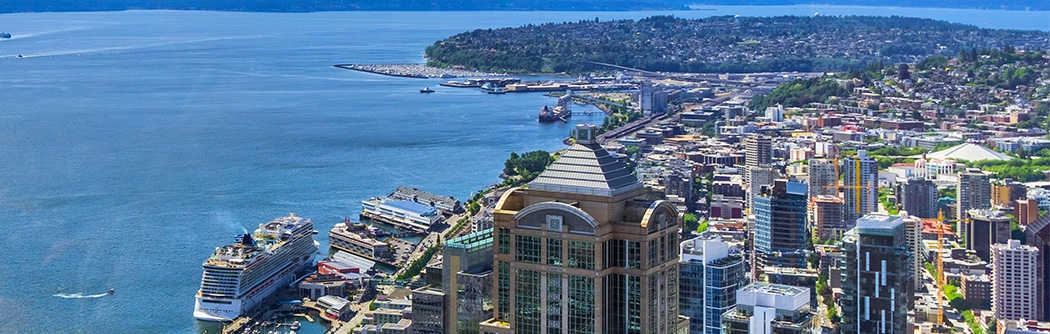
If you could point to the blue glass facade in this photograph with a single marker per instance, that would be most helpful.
(708, 290)
(780, 225)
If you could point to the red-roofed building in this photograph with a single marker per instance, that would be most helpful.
(335, 267)
(929, 229)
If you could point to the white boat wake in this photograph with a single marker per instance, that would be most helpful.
(79, 296)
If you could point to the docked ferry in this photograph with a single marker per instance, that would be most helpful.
(239, 276)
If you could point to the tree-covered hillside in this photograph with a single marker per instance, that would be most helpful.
(719, 44)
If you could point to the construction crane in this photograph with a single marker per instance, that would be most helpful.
(837, 187)
(939, 276)
(858, 182)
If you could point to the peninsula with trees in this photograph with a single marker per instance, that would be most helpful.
(723, 44)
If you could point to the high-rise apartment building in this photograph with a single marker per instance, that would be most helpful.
(428, 311)
(1005, 192)
(1015, 280)
(583, 249)
(758, 150)
(709, 276)
(1037, 234)
(984, 229)
(973, 191)
(756, 178)
(860, 186)
(827, 217)
(780, 226)
(1026, 211)
(877, 282)
(823, 178)
(758, 162)
(466, 277)
(913, 226)
(918, 196)
(764, 308)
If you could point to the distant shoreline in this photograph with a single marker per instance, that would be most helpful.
(51, 8)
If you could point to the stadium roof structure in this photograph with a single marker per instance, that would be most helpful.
(966, 151)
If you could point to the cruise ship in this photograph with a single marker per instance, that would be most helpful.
(238, 277)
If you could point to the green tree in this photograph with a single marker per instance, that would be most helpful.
(903, 73)
(690, 220)
(528, 164)
(709, 129)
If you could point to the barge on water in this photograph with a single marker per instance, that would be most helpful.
(561, 111)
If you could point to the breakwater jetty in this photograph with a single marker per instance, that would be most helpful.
(419, 71)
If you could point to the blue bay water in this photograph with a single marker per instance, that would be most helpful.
(133, 143)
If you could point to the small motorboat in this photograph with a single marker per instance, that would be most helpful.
(426, 90)
(110, 291)
(295, 326)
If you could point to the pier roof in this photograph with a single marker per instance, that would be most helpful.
(414, 194)
(409, 206)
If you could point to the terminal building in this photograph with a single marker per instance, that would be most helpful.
(403, 214)
(443, 203)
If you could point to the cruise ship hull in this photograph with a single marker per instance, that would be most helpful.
(238, 277)
(219, 310)
(212, 311)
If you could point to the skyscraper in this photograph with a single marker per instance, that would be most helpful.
(823, 178)
(758, 151)
(918, 196)
(428, 311)
(973, 191)
(780, 226)
(861, 186)
(758, 162)
(466, 277)
(877, 283)
(1026, 211)
(756, 178)
(1037, 234)
(583, 250)
(913, 226)
(708, 281)
(827, 217)
(986, 228)
(1015, 279)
